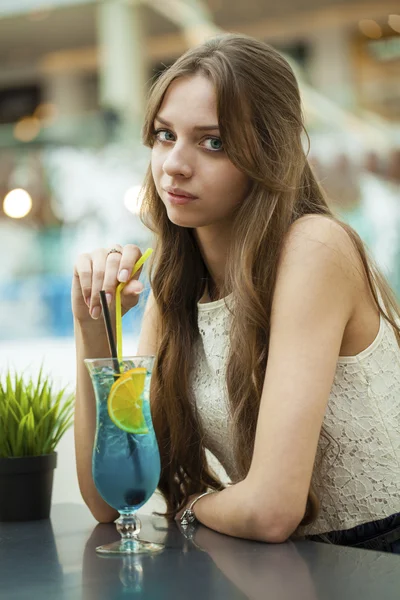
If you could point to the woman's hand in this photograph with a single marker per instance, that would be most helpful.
(102, 270)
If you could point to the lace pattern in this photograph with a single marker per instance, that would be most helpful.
(208, 382)
(358, 478)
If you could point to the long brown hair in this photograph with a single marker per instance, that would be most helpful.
(261, 126)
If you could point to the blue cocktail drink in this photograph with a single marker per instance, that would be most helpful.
(126, 466)
(126, 460)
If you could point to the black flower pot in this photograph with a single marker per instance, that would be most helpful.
(26, 485)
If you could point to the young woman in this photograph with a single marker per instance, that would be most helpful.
(276, 337)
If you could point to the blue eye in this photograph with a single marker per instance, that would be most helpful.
(215, 143)
(158, 132)
(164, 135)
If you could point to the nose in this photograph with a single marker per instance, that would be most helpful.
(177, 163)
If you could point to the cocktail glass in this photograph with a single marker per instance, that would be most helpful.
(126, 459)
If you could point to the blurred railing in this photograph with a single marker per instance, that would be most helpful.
(90, 129)
(40, 306)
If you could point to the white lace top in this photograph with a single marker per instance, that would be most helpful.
(359, 477)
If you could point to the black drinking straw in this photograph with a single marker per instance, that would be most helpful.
(130, 439)
(109, 331)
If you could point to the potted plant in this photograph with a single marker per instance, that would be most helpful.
(33, 419)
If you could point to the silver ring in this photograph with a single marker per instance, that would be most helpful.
(114, 250)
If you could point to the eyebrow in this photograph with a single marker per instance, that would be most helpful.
(197, 127)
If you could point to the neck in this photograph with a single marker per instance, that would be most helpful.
(212, 291)
(214, 244)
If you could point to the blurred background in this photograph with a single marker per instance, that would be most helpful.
(73, 82)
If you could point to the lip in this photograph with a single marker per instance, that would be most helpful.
(179, 193)
(175, 199)
(178, 196)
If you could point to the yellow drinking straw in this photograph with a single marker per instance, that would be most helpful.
(118, 313)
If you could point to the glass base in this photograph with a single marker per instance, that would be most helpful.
(130, 547)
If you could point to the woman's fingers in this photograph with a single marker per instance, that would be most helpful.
(108, 270)
(83, 271)
(130, 294)
(129, 258)
(133, 287)
(111, 270)
(99, 259)
(104, 270)
(119, 269)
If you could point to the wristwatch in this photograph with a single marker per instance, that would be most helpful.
(188, 520)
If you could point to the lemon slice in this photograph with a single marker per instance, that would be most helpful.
(125, 403)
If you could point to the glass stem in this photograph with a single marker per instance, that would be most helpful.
(128, 526)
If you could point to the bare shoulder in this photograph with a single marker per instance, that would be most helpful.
(320, 230)
(323, 241)
(319, 272)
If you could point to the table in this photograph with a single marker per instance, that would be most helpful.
(56, 559)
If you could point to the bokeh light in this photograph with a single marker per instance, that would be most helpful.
(394, 22)
(27, 129)
(370, 28)
(133, 199)
(47, 113)
(17, 203)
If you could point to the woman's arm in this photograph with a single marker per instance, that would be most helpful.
(314, 298)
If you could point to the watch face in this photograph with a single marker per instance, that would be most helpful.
(184, 517)
(191, 517)
(188, 517)
(188, 529)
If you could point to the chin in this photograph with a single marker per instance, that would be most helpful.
(183, 222)
(178, 217)
(182, 218)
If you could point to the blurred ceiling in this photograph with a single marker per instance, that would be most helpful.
(239, 12)
(28, 37)
(24, 39)
(13, 7)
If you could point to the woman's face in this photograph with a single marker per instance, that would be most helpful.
(188, 154)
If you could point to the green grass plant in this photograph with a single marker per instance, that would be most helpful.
(33, 417)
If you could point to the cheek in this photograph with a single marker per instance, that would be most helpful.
(230, 183)
(242, 184)
(154, 164)
(156, 169)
